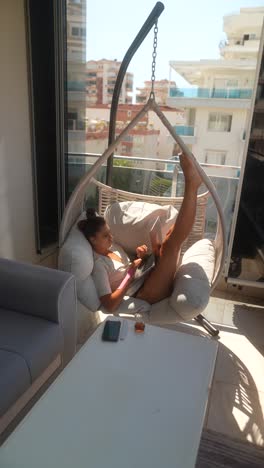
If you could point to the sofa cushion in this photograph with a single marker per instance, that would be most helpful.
(36, 340)
(130, 222)
(15, 378)
(191, 290)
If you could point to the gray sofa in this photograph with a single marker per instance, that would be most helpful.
(37, 334)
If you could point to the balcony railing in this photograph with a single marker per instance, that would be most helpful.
(184, 130)
(222, 93)
(150, 176)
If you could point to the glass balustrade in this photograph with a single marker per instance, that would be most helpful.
(221, 93)
(184, 130)
(158, 178)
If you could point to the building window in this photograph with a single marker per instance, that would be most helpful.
(232, 83)
(218, 122)
(78, 32)
(75, 31)
(215, 157)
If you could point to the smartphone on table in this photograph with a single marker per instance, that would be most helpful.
(111, 330)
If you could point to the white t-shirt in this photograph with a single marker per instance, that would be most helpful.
(108, 273)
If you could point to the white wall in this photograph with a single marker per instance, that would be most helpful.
(166, 143)
(17, 233)
(97, 113)
(231, 142)
(245, 78)
(96, 146)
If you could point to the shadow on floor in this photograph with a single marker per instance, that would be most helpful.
(249, 321)
(235, 408)
(187, 328)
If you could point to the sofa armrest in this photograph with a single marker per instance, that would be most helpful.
(42, 292)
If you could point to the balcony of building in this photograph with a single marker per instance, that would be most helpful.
(111, 83)
(143, 174)
(210, 97)
(91, 82)
(187, 132)
(164, 175)
(238, 47)
(236, 406)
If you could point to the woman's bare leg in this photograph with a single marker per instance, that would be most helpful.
(158, 285)
(186, 216)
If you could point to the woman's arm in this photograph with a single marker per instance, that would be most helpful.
(113, 300)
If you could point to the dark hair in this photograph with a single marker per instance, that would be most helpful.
(90, 226)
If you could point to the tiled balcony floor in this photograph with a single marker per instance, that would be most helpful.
(236, 405)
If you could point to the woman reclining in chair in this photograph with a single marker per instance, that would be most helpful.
(114, 276)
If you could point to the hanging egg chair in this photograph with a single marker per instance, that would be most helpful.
(203, 259)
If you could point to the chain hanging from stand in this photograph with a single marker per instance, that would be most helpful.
(154, 55)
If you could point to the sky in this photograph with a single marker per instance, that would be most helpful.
(188, 30)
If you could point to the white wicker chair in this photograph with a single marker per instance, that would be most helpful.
(108, 194)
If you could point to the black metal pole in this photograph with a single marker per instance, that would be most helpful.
(147, 26)
(207, 325)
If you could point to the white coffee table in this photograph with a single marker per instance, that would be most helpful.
(137, 403)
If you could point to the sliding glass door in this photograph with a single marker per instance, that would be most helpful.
(247, 258)
(76, 92)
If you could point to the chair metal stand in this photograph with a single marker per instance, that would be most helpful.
(207, 325)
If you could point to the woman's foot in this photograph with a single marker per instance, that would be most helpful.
(191, 175)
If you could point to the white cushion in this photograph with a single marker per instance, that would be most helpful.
(202, 253)
(76, 256)
(162, 313)
(130, 222)
(77, 253)
(131, 305)
(193, 279)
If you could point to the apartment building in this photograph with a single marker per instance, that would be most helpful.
(97, 117)
(142, 141)
(76, 54)
(217, 106)
(162, 88)
(100, 82)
